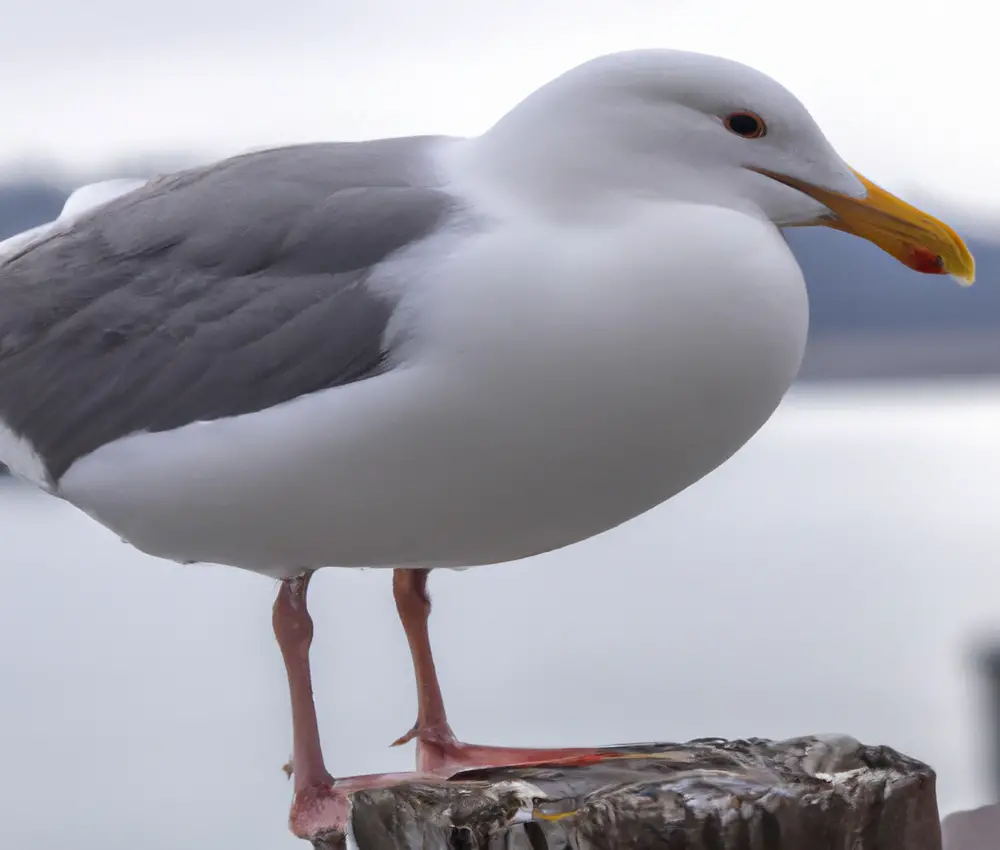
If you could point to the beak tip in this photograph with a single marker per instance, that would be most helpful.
(962, 269)
(958, 264)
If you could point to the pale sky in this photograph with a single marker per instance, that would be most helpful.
(904, 90)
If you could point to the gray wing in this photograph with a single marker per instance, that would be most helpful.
(209, 293)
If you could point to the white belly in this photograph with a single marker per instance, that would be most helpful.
(552, 398)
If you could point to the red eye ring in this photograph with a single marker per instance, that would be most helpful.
(747, 124)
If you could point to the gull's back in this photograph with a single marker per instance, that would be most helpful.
(205, 294)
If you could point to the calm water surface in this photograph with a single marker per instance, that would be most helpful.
(835, 576)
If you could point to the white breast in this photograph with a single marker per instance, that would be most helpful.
(564, 381)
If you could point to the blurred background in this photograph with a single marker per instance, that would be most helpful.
(839, 574)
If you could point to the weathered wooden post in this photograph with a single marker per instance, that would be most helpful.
(812, 793)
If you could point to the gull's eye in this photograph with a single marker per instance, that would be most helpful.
(749, 125)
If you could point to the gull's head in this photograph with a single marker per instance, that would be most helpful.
(701, 129)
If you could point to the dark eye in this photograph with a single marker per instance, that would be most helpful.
(749, 125)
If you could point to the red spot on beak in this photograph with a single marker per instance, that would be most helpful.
(925, 261)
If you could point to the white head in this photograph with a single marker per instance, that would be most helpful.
(699, 129)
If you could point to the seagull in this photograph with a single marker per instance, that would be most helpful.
(431, 352)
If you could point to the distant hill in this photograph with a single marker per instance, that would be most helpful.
(870, 316)
(28, 204)
(873, 318)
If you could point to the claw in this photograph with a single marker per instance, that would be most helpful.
(405, 739)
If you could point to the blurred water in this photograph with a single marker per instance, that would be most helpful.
(834, 576)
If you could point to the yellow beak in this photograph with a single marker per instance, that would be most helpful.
(913, 237)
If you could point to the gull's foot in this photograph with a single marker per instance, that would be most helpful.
(441, 754)
(319, 810)
(324, 809)
(458, 756)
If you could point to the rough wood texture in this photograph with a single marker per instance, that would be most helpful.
(812, 793)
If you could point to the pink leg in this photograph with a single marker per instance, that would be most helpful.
(316, 806)
(438, 750)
